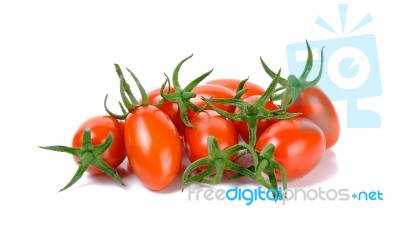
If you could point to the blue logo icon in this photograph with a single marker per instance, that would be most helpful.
(351, 69)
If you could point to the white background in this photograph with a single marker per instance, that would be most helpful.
(56, 65)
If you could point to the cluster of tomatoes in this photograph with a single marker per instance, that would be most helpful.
(284, 129)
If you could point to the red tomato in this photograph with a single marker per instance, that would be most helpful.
(153, 146)
(100, 127)
(242, 127)
(316, 106)
(253, 89)
(208, 123)
(299, 145)
(214, 91)
(169, 108)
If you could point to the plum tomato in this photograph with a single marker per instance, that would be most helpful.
(153, 146)
(299, 145)
(212, 91)
(101, 127)
(208, 123)
(252, 88)
(314, 105)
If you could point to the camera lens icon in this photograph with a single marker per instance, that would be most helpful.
(348, 67)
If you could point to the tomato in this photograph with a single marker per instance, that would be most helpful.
(316, 106)
(211, 91)
(299, 145)
(208, 123)
(101, 127)
(253, 89)
(169, 108)
(153, 146)
(123, 172)
(242, 127)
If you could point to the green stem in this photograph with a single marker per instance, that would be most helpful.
(104, 167)
(293, 84)
(88, 155)
(219, 160)
(252, 125)
(129, 101)
(252, 113)
(219, 166)
(193, 166)
(239, 169)
(78, 174)
(124, 85)
(145, 98)
(121, 117)
(268, 93)
(175, 81)
(183, 96)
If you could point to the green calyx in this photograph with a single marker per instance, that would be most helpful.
(240, 89)
(251, 113)
(264, 164)
(268, 165)
(128, 99)
(293, 86)
(218, 161)
(182, 96)
(88, 154)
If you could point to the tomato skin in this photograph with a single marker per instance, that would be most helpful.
(299, 145)
(242, 127)
(100, 127)
(316, 106)
(169, 108)
(153, 146)
(211, 91)
(208, 123)
(253, 89)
